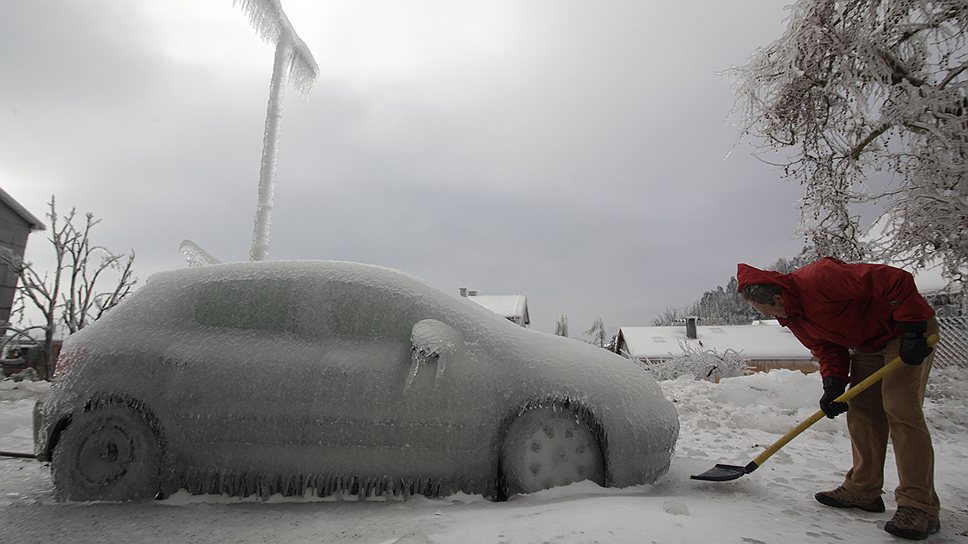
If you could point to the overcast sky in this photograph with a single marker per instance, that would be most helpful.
(577, 152)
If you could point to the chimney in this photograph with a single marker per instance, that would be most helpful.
(691, 327)
(463, 291)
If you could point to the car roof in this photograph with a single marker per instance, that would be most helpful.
(163, 289)
(349, 271)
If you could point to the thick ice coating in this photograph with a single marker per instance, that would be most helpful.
(283, 377)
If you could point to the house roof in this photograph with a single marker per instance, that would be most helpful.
(32, 222)
(764, 340)
(510, 306)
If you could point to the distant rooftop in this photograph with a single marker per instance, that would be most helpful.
(760, 341)
(512, 307)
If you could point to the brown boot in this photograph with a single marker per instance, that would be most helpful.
(912, 524)
(841, 498)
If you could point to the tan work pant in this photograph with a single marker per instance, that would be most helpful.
(892, 407)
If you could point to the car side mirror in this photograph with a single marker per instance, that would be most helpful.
(432, 342)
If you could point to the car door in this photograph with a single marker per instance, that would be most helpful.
(231, 371)
(374, 415)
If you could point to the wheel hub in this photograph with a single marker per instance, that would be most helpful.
(558, 453)
(105, 455)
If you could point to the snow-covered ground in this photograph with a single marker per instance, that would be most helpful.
(730, 422)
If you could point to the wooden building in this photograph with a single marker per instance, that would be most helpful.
(16, 223)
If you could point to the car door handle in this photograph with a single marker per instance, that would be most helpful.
(175, 363)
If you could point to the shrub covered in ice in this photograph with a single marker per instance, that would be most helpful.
(702, 364)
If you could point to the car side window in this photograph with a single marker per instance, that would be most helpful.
(244, 304)
(346, 309)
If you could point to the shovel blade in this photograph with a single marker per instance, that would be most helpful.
(722, 473)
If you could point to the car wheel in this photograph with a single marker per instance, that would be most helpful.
(109, 453)
(548, 447)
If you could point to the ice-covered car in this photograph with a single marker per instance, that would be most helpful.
(328, 377)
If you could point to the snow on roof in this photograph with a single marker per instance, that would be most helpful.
(509, 306)
(763, 340)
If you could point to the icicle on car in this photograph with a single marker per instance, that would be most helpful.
(287, 377)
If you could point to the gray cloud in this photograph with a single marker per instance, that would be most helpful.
(580, 158)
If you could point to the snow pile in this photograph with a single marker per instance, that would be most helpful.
(16, 390)
(947, 401)
(730, 422)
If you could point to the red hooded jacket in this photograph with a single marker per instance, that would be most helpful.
(833, 306)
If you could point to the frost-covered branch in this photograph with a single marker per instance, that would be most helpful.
(561, 326)
(597, 332)
(859, 89)
(69, 294)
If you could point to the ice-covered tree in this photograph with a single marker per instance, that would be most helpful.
(724, 306)
(561, 326)
(867, 101)
(294, 63)
(597, 332)
(719, 306)
(669, 316)
(86, 281)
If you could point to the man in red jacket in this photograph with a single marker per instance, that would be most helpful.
(855, 318)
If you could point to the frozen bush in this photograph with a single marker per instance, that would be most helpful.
(702, 364)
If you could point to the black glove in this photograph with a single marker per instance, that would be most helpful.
(833, 387)
(914, 345)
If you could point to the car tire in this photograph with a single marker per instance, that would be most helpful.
(548, 447)
(109, 453)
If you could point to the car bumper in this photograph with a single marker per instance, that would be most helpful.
(41, 432)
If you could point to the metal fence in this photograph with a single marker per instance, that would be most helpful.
(952, 349)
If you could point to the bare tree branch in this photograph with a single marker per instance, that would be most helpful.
(70, 294)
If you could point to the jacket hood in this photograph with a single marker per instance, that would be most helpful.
(748, 275)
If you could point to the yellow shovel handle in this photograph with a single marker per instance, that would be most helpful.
(849, 394)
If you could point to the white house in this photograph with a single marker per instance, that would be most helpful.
(512, 307)
(765, 344)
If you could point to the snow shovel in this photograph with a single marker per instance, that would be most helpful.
(724, 473)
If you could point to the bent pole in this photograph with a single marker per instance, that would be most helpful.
(270, 152)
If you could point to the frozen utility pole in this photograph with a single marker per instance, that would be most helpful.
(294, 63)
